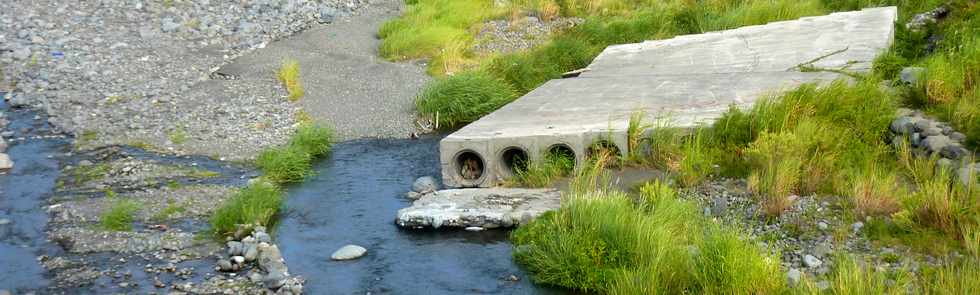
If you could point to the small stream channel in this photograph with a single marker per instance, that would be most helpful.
(353, 200)
(23, 191)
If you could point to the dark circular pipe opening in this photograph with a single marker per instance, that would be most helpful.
(514, 159)
(469, 165)
(604, 146)
(561, 155)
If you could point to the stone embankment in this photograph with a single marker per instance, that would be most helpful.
(929, 137)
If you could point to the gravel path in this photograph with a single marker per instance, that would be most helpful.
(140, 72)
(346, 83)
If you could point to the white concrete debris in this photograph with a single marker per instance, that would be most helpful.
(689, 79)
(478, 208)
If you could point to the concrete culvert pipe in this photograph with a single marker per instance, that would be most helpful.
(470, 167)
(561, 150)
(513, 159)
(604, 145)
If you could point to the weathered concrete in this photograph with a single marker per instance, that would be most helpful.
(484, 208)
(689, 80)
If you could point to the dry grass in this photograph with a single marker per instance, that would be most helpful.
(877, 192)
(289, 76)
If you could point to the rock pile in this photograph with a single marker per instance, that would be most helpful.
(930, 137)
(920, 21)
(256, 249)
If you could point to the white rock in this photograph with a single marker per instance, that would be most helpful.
(811, 261)
(238, 259)
(475, 228)
(5, 162)
(348, 252)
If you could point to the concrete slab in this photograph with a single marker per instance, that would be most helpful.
(690, 79)
(485, 208)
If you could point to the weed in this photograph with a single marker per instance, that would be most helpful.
(605, 243)
(315, 140)
(119, 216)
(177, 135)
(89, 136)
(696, 163)
(463, 98)
(851, 278)
(955, 278)
(89, 173)
(877, 192)
(169, 211)
(202, 173)
(557, 163)
(635, 131)
(289, 76)
(258, 203)
(285, 164)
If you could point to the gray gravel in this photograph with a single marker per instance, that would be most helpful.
(130, 71)
(346, 83)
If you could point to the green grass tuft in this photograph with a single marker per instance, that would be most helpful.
(463, 98)
(556, 164)
(119, 216)
(256, 204)
(316, 140)
(285, 164)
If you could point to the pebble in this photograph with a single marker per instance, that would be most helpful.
(238, 259)
(5, 162)
(822, 225)
(348, 252)
(811, 261)
(475, 228)
(857, 226)
(235, 248)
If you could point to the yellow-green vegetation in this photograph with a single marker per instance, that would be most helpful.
(257, 204)
(463, 98)
(88, 173)
(608, 242)
(829, 141)
(260, 202)
(556, 164)
(177, 135)
(202, 173)
(289, 76)
(293, 162)
(119, 215)
(169, 211)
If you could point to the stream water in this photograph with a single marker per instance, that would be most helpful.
(353, 199)
(23, 191)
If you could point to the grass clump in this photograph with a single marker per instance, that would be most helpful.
(119, 216)
(463, 98)
(556, 164)
(606, 243)
(172, 209)
(177, 135)
(288, 75)
(294, 162)
(852, 278)
(258, 204)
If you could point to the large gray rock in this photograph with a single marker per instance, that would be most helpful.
(970, 174)
(936, 143)
(270, 259)
(424, 185)
(486, 208)
(348, 252)
(812, 261)
(912, 75)
(5, 162)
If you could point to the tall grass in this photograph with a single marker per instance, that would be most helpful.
(463, 98)
(294, 161)
(555, 164)
(606, 243)
(853, 278)
(256, 204)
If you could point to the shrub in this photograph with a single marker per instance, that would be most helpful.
(257, 204)
(285, 164)
(119, 216)
(463, 98)
(696, 162)
(776, 173)
(289, 76)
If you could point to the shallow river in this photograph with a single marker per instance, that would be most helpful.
(353, 200)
